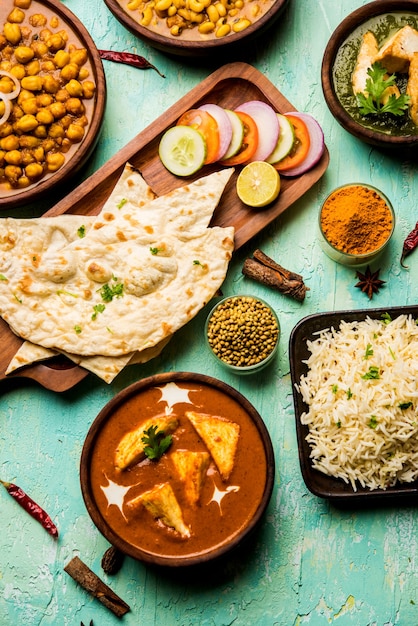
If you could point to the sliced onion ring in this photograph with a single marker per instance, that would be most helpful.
(267, 123)
(7, 109)
(13, 94)
(316, 148)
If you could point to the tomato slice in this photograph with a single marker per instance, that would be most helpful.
(300, 146)
(207, 126)
(249, 143)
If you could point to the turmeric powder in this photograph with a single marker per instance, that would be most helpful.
(356, 219)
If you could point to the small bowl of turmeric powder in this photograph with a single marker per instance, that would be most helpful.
(356, 222)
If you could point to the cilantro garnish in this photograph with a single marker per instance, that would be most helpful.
(372, 421)
(154, 250)
(121, 203)
(374, 101)
(405, 405)
(334, 388)
(369, 351)
(372, 374)
(156, 443)
(81, 232)
(3, 277)
(77, 329)
(98, 308)
(108, 292)
(349, 393)
(386, 318)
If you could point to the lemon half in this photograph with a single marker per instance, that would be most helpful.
(258, 184)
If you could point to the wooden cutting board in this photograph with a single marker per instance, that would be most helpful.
(229, 86)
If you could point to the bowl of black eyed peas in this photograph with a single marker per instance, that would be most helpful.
(242, 333)
(52, 100)
(196, 27)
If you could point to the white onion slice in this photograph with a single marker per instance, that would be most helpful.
(316, 148)
(7, 109)
(267, 124)
(13, 94)
(224, 127)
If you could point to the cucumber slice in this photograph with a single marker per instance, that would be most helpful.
(237, 134)
(285, 141)
(182, 150)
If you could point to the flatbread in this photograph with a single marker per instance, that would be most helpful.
(159, 251)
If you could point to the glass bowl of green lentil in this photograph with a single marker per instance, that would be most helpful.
(242, 333)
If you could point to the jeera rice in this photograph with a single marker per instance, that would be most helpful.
(361, 390)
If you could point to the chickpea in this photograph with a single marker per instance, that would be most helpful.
(18, 71)
(44, 99)
(79, 57)
(54, 161)
(33, 67)
(69, 71)
(38, 20)
(12, 33)
(34, 171)
(56, 131)
(48, 145)
(22, 4)
(40, 48)
(83, 73)
(66, 145)
(32, 83)
(3, 41)
(74, 88)
(16, 16)
(2, 153)
(66, 121)
(55, 42)
(40, 131)
(44, 116)
(48, 66)
(39, 154)
(6, 129)
(57, 109)
(51, 84)
(30, 106)
(28, 141)
(27, 158)
(13, 157)
(6, 85)
(89, 89)
(26, 124)
(61, 58)
(75, 133)
(24, 54)
(11, 142)
(54, 22)
(62, 95)
(22, 182)
(74, 106)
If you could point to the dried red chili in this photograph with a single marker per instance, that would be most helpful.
(31, 507)
(410, 243)
(128, 58)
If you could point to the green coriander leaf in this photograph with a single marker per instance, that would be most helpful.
(386, 318)
(369, 351)
(98, 308)
(334, 388)
(372, 374)
(81, 232)
(3, 277)
(372, 421)
(405, 405)
(154, 250)
(122, 203)
(349, 393)
(373, 102)
(156, 443)
(392, 354)
(108, 292)
(77, 329)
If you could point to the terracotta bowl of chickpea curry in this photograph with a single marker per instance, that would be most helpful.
(378, 43)
(52, 99)
(197, 27)
(177, 469)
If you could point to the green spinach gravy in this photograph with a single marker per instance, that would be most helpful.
(383, 27)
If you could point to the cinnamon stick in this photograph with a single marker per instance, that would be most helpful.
(96, 587)
(266, 271)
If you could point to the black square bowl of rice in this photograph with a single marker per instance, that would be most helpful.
(355, 391)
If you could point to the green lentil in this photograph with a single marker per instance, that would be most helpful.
(242, 331)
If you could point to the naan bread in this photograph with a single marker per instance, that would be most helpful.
(155, 261)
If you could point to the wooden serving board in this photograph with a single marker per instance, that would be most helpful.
(229, 86)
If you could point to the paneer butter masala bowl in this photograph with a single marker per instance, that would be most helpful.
(370, 73)
(177, 469)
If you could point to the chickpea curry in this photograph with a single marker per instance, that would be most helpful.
(47, 93)
(196, 19)
(196, 492)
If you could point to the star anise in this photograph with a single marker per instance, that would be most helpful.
(369, 282)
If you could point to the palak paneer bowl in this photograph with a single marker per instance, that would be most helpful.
(177, 469)
(381, 36)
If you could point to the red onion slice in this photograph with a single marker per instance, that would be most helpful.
(224, 127)
(316, 148)
(267, 123)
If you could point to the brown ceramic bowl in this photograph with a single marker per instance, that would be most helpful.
(228, 506)
(338, 64)
(190, 43)
(57, 18)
